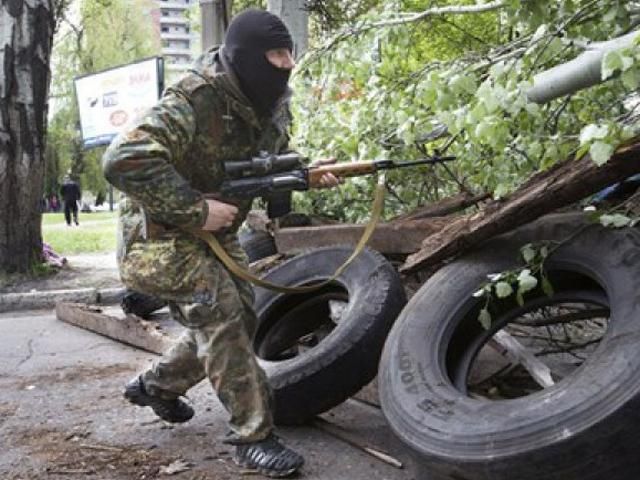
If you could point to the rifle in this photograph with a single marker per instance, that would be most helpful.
(273, 177)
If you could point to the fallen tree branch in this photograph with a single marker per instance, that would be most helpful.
(565, 183)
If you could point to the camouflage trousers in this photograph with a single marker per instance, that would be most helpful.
(217, 310)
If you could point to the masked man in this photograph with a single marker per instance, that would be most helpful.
(233, 105)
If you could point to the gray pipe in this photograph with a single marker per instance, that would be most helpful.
(582, 72)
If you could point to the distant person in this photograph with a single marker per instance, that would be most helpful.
(70, 193)
(54, 204)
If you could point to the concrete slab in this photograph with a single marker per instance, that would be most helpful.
(62, 416)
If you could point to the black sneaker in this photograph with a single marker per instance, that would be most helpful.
(269, 457)
(173, 411)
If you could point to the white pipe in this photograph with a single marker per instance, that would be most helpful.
(582, 72)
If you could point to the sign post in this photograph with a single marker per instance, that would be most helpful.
(214, 16)
(296, 17)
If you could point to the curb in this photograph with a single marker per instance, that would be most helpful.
(46, 299)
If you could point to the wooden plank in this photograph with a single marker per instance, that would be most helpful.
(388, 238)
(540, 372)
(369, 393)
(128, 329)
(564, 184)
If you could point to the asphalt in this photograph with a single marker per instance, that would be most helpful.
(62, 415)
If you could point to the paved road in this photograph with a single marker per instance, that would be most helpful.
(62, 417)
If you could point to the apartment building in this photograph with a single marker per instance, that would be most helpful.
(176, 36)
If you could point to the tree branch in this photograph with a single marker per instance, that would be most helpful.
(451, 10)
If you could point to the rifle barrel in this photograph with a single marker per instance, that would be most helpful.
(390, 164)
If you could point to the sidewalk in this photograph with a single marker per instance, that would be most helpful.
(89, 278)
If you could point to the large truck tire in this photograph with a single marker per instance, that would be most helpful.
(257, 244)
(141, 304)
(320, 348)
(586, 424)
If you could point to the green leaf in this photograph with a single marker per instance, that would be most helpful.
(484, 130)
(612, 62)
(503, 289)
(582, 151)
(631, 78)
(485, 318)
(526, 281)
(528, 253)
(616, 220)
(593, 132)
(601, 152)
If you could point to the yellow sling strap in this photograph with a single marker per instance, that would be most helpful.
(212, 241)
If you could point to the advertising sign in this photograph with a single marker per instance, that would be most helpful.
(110, 100)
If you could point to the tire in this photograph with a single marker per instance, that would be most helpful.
(314, 363)
(585, 426)
(257, 244)
(141, 304)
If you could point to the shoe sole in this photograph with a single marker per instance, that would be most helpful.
(266, 472)
(142, 400)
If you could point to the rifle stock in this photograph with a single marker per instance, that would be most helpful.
(341, 170)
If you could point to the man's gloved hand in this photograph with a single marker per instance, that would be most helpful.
(328, 180)
(221, 215)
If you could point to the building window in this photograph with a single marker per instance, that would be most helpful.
(164, 29)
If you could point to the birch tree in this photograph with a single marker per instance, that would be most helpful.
(26, 35)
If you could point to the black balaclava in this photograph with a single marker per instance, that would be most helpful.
(250, 35)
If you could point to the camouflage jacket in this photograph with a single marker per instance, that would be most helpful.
(174, 154)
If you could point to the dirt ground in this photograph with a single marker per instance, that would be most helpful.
(62, 417)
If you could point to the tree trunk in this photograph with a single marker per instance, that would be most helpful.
(26, 35)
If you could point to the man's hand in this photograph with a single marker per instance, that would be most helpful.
(328, 180)
(221, 215)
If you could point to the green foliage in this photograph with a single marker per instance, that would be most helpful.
(519, 281)
(373, 92)
(240, 5)
(108, 34)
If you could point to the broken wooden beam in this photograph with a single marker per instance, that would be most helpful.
(388, 238)
(128, 329)
(565, 183)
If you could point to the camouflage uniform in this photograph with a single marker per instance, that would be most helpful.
(165, 164)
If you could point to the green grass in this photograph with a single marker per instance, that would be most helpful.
(96, 233)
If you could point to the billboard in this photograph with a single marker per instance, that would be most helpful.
(110, 100)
